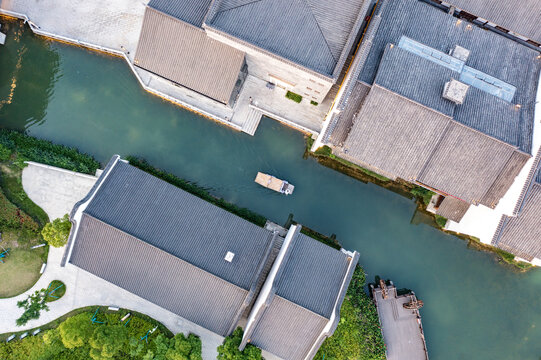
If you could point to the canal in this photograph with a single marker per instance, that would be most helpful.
(475, 308)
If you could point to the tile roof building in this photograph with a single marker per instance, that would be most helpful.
(507, 16)
(439, 102)
(206, 264)
(300, 45)
(521, 235)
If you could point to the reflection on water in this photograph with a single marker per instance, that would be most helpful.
(474, 308)
(28, 67)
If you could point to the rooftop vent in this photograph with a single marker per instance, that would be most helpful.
(455, 91)
(460, 53)
(229, 256)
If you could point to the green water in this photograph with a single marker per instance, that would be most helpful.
(475, 308)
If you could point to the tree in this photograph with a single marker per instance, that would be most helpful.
(184, 348)
(229, 350)
(76, 331)
(32, 307)
(56, 233)
(107, 341)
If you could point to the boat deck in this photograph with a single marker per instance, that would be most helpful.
(402, 329)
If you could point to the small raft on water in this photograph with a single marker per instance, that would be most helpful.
(270, 182)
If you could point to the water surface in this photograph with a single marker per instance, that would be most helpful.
(475, 308)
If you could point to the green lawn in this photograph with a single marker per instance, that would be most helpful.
(57, 289)
(20, 269)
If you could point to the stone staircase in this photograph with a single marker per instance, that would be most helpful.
(252, 121)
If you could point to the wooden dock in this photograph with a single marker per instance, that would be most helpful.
(400, 323)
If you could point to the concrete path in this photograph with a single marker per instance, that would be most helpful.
(56, 191)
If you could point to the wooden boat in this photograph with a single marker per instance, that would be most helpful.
(270, 182)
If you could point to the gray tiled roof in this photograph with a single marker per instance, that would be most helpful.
(415, 78)
(466, 163)
(288, 328)
(394, 134)
(180, 224)
(313, 275)
(316, 34)
(191, 11)
(157, 276)
(522, 235)
(453, 209)
(523, 19)
(491, 53)
(185, 55)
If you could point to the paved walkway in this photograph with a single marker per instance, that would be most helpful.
(56, 191)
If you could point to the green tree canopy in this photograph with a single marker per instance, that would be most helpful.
(229, 350)
(76, 331)
(107, 341)
(32, 306)
(56, 233)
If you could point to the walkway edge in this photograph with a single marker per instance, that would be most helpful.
(36, 29)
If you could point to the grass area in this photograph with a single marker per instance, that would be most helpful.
(12, 187)
(358, 335)
(21, 267)
(198, 191)
(295, 97)
(56, 290)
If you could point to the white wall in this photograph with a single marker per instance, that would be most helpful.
(263, 66)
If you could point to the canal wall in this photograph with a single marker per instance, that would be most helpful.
(122, 54)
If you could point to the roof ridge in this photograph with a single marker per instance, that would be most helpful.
(146, 243)
(239, 6)
(320, 30)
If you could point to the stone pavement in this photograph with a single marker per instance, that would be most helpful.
(56, 191)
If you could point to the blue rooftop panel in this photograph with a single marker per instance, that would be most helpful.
(490, 53)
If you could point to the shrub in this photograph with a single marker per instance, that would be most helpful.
(422, 194)
(315, 103)
(229, 350)
(57, 232)
(32, 307)
(295, 97)
(76, 331)
(14, 218)
(441, 221)
(43, 151)
(5, 153)
(324, 150)
(358, 335)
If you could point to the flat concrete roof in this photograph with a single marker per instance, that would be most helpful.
(402, 330)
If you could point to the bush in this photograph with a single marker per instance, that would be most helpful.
(229, 350)
(440, 220)
(14, 218)
(32, 307)
(56, 233)
(197, 191)
(315, 103)
(358, 335)
(324, 150)
(422, 194)
(295, 97)
(5, 153)
(43, 151)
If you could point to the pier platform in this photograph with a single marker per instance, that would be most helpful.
(401, 327)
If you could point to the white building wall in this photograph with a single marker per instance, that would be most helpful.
(288, 76)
